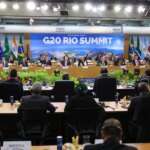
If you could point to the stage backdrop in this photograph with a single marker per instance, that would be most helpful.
(75, 44)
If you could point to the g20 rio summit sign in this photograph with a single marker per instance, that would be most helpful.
(75, 40)
(76, 44)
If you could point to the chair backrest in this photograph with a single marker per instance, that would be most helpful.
(32, 122)
(32, 115)
(106, 88)
(10, 89)
(143, 109)
(85, 119)
(63, 88)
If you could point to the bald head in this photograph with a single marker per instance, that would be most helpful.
(36, 88)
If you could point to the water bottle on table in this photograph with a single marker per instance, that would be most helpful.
(59, 142)
(12, 100)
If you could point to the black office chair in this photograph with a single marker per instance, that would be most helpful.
(84, 122)
(105, 88)
(63, 88)
(10, 89)
(143, 120)
(32, 125)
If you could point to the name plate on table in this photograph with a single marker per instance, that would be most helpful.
(16, 145)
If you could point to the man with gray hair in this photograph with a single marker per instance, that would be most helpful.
(36, 100)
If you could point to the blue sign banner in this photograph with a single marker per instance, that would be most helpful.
(76, 44)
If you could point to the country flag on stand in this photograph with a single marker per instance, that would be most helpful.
(14, 47)
(6, 48)
(20, 49)
(1, 51)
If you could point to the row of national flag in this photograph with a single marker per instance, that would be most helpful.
(16, 49)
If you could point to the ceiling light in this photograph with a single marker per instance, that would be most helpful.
(94, 9)
(75, 7)
(44, 7)
(31, 5)
(88, 6)
(102, 7)
(141, 9)
(55, 9)
(38, 8)
(15, 6)
(128, 9)
(117, 8)
(3, 5)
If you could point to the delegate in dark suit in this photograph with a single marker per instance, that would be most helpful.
(81, 101)
(110, 144)
(111, 133)
(36, 102)
(105, 86)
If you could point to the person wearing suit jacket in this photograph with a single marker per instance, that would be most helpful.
(82, 99)
(111, 133)
(66, 61)
(105, 86)
(14, 79)
(36, 101)
(137, 112)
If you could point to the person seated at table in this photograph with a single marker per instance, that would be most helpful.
(143, 90)
(65, 76)
(13, 78)
(36, 100)
(66, 61)
(11, 59)
(47, 61)
(134, 106)
(111, 133)
(105, 86)
(82, 99)
(145, 77)
(81, 61)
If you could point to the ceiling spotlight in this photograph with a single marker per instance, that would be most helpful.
(94, 9)
(117, 8)
(141, 9)
(102, 7)
(3, 5)
(44, 7)
(38, 8)
(75, 7)
(128, 9)
(88, 6)
(31, 5)
(15, 6)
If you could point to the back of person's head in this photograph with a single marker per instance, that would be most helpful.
(13, 73)
(147, 72)
(112, 129)
(65, 76)
(81, 89)
(143, 87)
(36, 88)
(104, 70)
